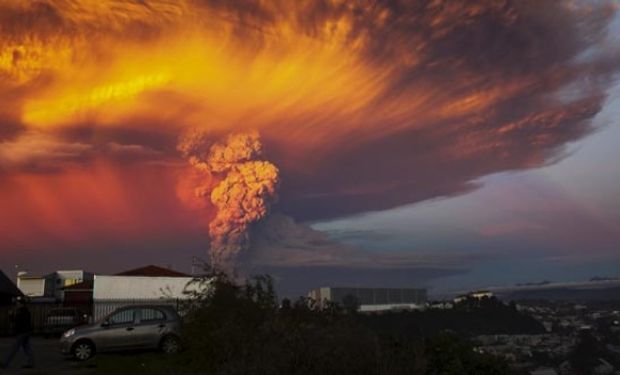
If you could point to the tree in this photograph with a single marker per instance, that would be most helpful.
(584, 357)
(448, 355)
(350, 303)
(241, 329)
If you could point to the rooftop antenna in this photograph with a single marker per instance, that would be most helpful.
(17, 270)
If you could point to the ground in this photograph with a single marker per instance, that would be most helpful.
(49, 361)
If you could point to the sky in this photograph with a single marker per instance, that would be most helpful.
(373, 143)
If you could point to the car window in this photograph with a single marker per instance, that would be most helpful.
(122, 317)
(151, 315)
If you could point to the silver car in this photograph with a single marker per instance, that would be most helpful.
(127, 328)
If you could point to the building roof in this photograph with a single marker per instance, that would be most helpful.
(83, 286)
(7, 286)
(153, 271)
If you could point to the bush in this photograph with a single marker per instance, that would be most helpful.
(232, 329)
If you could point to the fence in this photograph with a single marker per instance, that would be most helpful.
(94, 311)
(101, 308)
(4, 321)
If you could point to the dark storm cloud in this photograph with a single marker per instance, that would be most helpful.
(280, 242)
(446, 50)
(415, 165)
(301, 258)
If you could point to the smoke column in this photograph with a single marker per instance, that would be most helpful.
(244, 195)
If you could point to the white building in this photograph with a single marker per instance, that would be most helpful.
(373, 299)
(477, 295)
(141, 287)
(147, 285)
(50, 286)
(31, 285)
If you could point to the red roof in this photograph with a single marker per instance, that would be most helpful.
(153, 271)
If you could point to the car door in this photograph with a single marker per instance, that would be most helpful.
(118, 331)
(150, 327)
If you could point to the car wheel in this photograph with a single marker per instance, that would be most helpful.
(170, 345)
(83, 351)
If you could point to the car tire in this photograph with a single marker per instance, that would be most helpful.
(170, 345)
(83, 351)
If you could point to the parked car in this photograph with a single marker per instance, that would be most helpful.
(59, 320)
(127, 328)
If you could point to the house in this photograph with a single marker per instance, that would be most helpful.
(83, 293)
(79, 294)
(50, 287)
(142, 285)
(63, 279)
(8, 290)
(34, 286)
(150, 282)
(477, 295)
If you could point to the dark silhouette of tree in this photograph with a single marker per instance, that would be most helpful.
(241, 329)
(285, 305)
(447, 355)
(350, 303)
(584, 357)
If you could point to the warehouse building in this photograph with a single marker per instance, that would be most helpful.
(372, 299)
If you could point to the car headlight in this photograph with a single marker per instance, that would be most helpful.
(69, 333)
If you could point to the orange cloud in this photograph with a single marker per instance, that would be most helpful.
(361, 105)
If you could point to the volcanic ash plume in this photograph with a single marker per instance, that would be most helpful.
(244, 195)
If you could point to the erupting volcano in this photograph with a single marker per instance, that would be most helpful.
(243, 196)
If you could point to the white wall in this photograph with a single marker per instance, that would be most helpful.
(391, 307)
(140, 287)
(34, 287)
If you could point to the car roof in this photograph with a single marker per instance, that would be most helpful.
(170, 310)
(146, 306)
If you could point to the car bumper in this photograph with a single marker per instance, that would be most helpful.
(65, 346)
